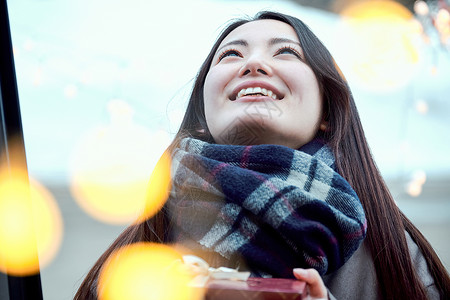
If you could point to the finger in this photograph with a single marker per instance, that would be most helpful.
(317, 288)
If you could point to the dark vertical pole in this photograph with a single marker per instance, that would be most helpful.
(27, 287)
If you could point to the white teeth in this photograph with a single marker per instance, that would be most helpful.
(256, 90)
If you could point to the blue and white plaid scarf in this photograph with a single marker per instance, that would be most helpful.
(271, 206)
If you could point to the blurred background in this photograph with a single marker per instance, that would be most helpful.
(103, 86)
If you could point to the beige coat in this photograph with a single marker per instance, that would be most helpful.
(357, 278)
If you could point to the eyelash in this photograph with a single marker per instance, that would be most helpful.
(229, 51)
(278, 52)
(291, 49)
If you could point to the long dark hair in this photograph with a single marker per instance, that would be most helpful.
(386, 223)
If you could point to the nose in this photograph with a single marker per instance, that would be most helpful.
(256, 65)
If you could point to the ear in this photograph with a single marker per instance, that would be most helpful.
(323, 125)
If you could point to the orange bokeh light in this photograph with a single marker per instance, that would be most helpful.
(146, 271)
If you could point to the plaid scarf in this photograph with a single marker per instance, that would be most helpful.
(270, 206)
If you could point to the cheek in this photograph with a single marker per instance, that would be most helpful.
(215, 82)
(211, 95)
(309, 104)
(304, 81)
(208, 95)
(215, 88)
(208, 88)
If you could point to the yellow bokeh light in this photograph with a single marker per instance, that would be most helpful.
(146, 271)
(381, 38)
(442, 22)
(158, 188)
(377, 10)
(111, 167)
(119, 195)
(30, 224)
(48, 222)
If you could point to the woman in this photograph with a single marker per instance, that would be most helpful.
(329, 115)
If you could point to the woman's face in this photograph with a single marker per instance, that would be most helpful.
(259, 90)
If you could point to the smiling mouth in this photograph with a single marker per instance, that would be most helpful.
(255, 92)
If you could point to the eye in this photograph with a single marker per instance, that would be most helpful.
(230, 52)
(288, 50)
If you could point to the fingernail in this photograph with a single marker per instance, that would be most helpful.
(299, 271)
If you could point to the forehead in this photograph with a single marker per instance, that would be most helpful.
(262, 30)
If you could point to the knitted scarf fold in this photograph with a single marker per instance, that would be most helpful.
(274, 207)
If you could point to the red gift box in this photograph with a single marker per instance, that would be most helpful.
(256, 289)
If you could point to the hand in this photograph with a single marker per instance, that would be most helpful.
(314, 283)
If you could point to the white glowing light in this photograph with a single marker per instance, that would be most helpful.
(415, 185)
(70, 91)
(28, 45)
(419, 176)
(37, 78)
(414, 189)
(422, 107)
(421, 8)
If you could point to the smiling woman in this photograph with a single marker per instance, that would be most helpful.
(261, 62)
(271, 173)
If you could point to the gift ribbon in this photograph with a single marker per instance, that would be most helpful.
(203, 272)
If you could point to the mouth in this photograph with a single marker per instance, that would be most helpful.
(256, 91)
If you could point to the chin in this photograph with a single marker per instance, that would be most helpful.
(239, 131)
(244, 134)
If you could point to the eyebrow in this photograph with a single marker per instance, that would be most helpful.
(235, 42)
(272, 42)
(275, 41)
